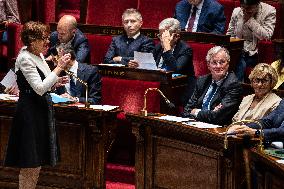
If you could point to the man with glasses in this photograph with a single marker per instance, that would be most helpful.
(122, 47)
(217, 96)
(173, 54)
(253, 21)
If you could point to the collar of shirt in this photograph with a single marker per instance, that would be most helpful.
(219, 83)
(74, 69)
(135, 36)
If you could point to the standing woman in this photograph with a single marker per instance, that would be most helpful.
(32, 142)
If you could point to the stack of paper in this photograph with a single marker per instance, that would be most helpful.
(173, 118)
(201, 125)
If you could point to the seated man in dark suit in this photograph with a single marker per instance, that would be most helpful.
(273, 126)
(217, 96)
(75, 90)
(122, 47)
(68, 34)
(201, 16)
(173, 54)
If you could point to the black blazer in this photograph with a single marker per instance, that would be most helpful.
(273, 124)
(229, 94)
(120, 46)
(179, 61)
(79, 43)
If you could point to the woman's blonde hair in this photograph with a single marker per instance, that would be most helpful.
(261, 70)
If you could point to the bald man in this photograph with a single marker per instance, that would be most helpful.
(68, 34)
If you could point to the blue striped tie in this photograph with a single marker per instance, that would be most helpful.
(206, 104)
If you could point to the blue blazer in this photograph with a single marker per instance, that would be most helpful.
(212, 18)
(121, 46)
(79, 43)
(89, 74)
(273, 124)
(178, 61)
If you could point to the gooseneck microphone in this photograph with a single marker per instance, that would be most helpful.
(144, 110)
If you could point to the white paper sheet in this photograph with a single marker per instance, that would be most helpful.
(117, 65)
(99, 107)
(202, 125)
(10, 79)
(173, 118)
(280, 161)
(146, 60)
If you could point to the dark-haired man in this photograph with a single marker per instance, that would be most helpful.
(252, 21)
(74, 89)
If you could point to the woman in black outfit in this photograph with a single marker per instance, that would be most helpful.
(32, 142)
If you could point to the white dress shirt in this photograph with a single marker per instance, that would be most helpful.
(198, 11)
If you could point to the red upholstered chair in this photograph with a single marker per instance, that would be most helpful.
(199, 57)
(14, 43)
(71, 7)
(99, 45)
(53, 10)
(154, 11)
(107, 13)
(229, 6)
(128, 94)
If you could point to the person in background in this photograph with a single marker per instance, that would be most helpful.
(201, 16)
(75, 90)
(217, 95)
(32, 141)
(8, 14)
(122, 47)
(278, 65)
(252, 21)
(263, 79)
(173, 54)
(68, 34)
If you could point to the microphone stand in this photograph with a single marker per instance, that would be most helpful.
(144, 110)
(87, 104)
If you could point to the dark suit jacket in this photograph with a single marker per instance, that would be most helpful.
(273, 124)
(119, 47)
(179, 61)
(79, 43)
(229, 94)
(212, 18)
(89, 74)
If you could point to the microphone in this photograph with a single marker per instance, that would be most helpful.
(87, 104)
(168, 102)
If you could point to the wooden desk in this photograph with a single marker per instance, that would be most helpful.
(173, 155)
(168, 85)
(84, 137)
(266, 172)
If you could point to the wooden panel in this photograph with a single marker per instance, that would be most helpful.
(179, 158)
(84, 137)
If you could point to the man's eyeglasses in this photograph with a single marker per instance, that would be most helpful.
(262, 81)
(216, 62)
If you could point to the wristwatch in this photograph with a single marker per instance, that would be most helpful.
(257, 133)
